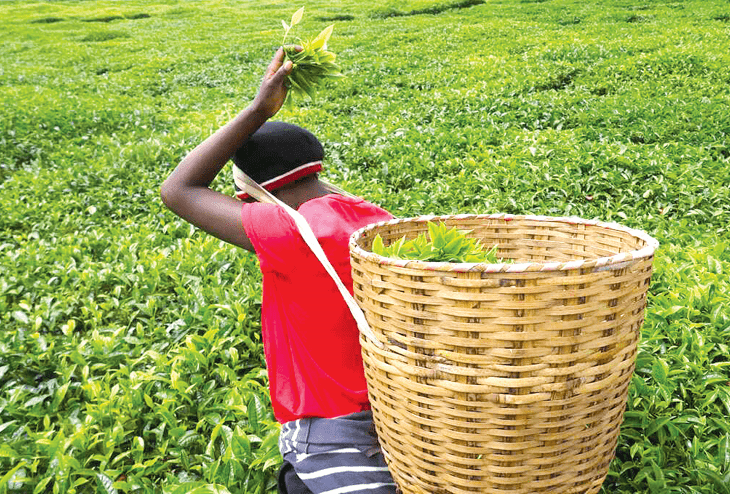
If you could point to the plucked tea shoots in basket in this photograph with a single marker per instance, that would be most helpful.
(442, 245)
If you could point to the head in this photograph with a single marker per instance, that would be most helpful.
(279, 155)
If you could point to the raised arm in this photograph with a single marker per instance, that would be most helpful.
(186, 191)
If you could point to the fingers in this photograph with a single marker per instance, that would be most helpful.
(276, 62)
(274, 86)
(282, 72)
(279, 55)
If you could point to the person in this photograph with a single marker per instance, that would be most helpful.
(311, 342)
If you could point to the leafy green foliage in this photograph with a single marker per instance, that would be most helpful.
(558, 107)
(674, 436)
(129, 405)
(442, 245)
(312, 64)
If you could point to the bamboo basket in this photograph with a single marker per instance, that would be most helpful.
(503, 378)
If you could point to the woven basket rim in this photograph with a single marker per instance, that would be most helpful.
(616, 261)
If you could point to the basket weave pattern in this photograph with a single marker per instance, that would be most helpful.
(508, 378)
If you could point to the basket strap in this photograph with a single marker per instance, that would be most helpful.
(337, 190)
(263, 195)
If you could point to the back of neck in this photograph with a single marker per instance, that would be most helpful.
(301, 191)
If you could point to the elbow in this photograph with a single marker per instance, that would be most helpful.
(167, 194)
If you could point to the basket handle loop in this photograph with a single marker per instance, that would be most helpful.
(259, 193)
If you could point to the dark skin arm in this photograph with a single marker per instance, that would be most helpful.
(186, 191)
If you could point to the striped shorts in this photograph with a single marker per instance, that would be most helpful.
(333, 456)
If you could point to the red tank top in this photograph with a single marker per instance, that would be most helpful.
(310, 338)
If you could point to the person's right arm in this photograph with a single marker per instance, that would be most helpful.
(187, 190)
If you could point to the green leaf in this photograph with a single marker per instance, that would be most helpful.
(9, 475)
(660, 371)
(298, 79)
(241, 447)
(199, 488)
(724, 451)
(211, 489)
(105, 484)
(41, 486)
(210, 448)
(444, 245)
(435, 232)
(453, 248)
(253, 414)
(321, 40)
(714, 265)
(5, 426)
(378, 246)
(21, 316)
(297, 17)
(35, 401)
(312, 65)
(60, 395)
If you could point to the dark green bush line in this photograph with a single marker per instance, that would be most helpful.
(103, 19)
(105, 36)
(336, 18)
(434, 10)
(110, 18)
(47, 20)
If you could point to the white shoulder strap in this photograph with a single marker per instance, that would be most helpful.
(263, 195)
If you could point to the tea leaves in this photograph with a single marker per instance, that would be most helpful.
(312, 63)
(442, 245)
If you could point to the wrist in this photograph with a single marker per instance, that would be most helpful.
(257, 113)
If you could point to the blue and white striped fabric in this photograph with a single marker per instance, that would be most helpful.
(337, 456)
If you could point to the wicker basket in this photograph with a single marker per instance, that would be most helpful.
(503, 378)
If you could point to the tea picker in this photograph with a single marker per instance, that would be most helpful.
(311, 342)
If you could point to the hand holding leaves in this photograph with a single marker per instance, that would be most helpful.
(272, 93)
(313, 64)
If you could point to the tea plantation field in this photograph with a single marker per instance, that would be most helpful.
(130, 354)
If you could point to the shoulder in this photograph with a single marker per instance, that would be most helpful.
(339, 203)
(265, 222)
(341, 213)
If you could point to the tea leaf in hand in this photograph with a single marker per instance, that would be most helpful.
(312, 64)
(321, 40)
(297, 17)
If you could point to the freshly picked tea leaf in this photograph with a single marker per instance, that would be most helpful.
(443, 245)
(312, 65)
